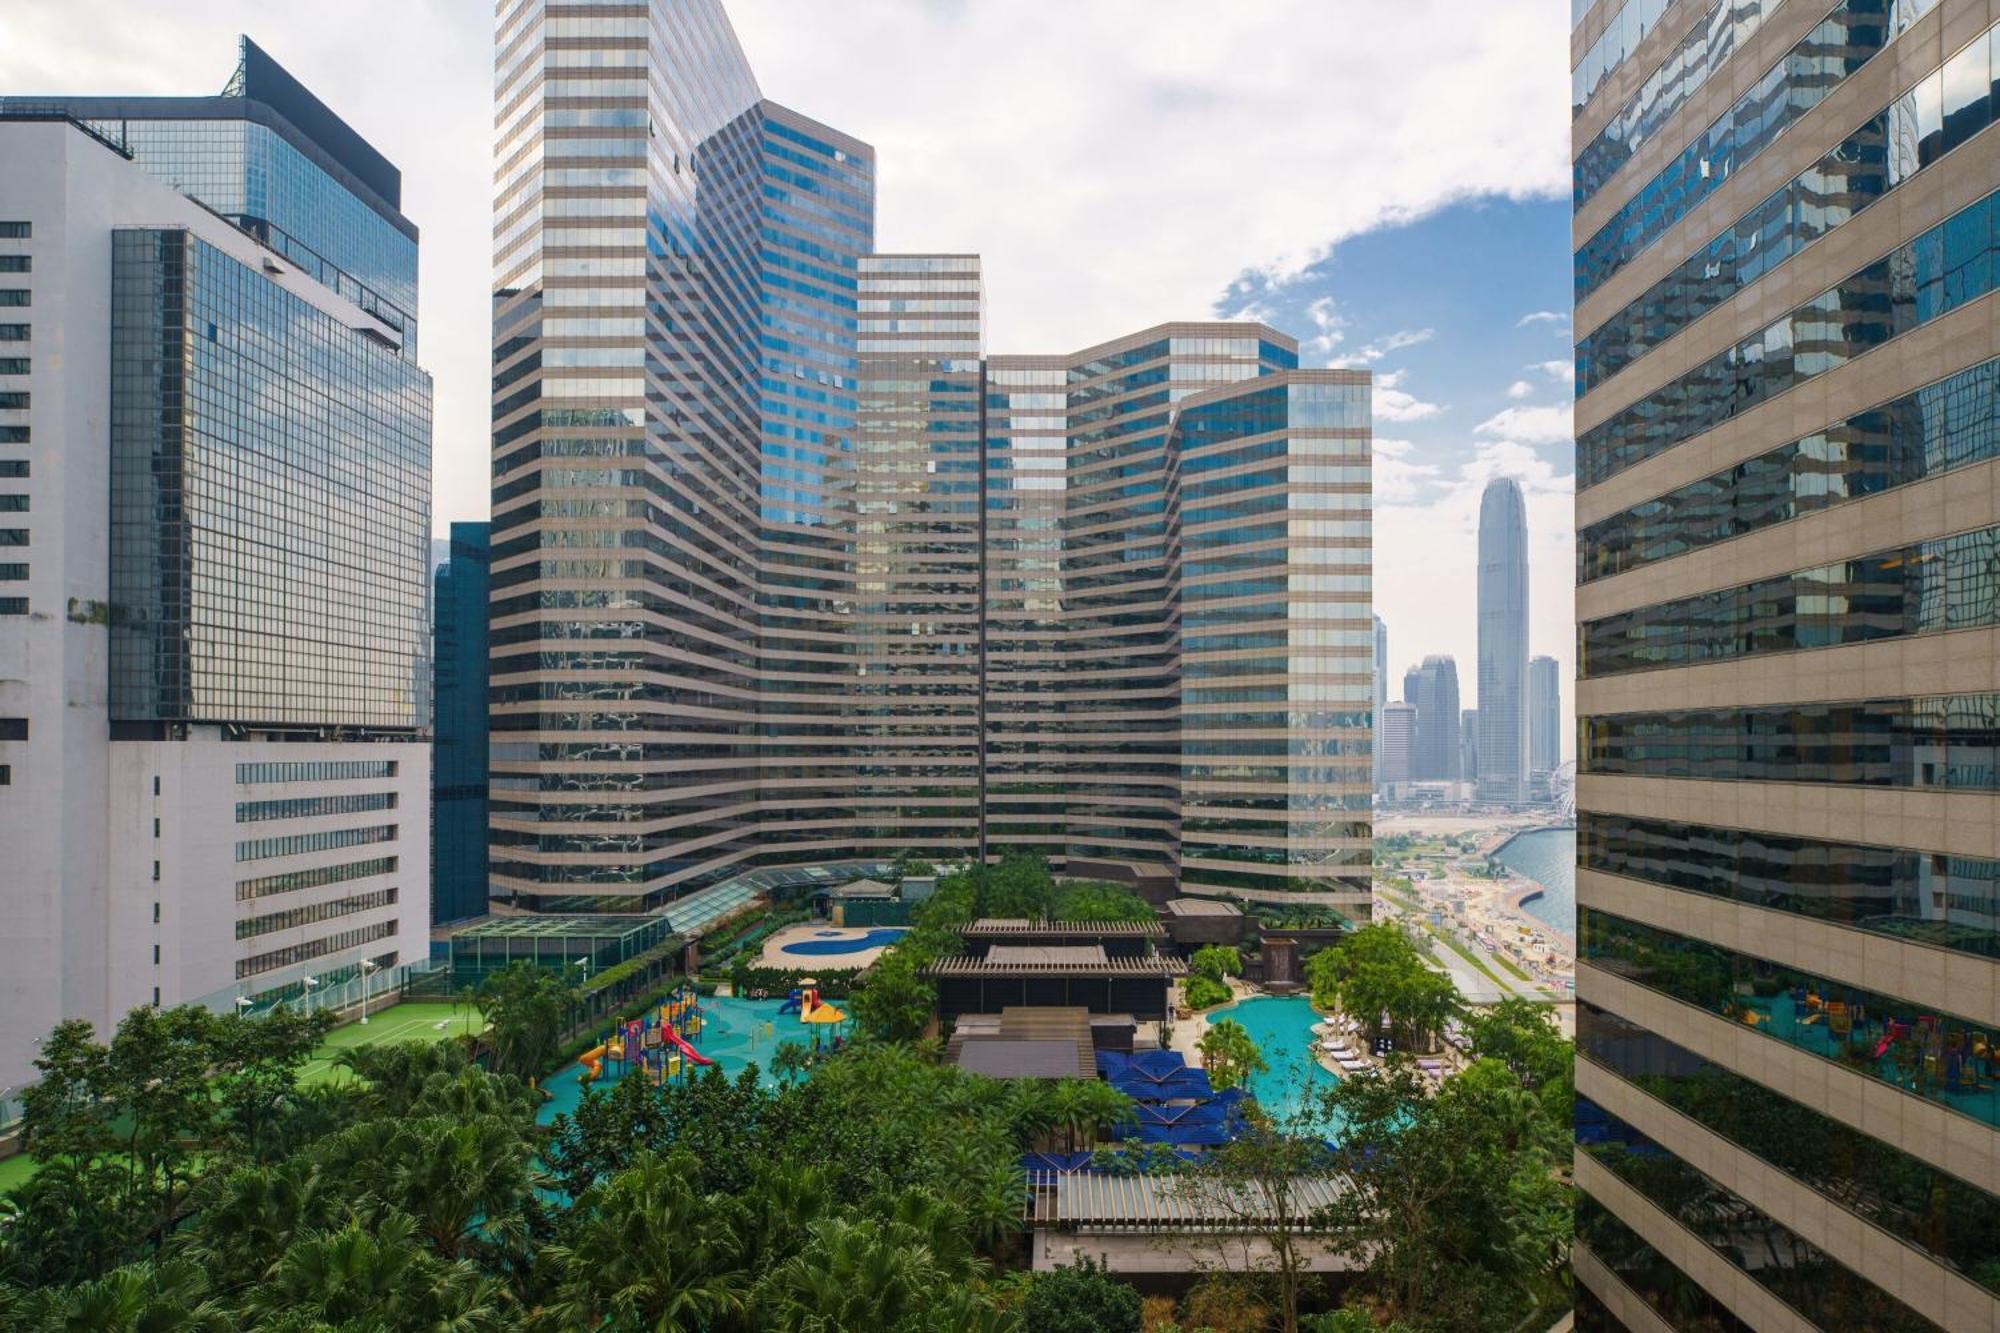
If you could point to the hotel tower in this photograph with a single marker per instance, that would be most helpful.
(787, 569)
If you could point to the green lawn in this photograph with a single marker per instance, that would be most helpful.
(415, 1020)
(14, 1172)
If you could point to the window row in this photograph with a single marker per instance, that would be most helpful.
(1702, 52)
(292, 881)
(1848, 38)
(1955, 1222)
(316, 770)
(1947, 583)
(1948, 902)
(1937, 272)
(307, 807)
(251, 927)
(298, 844)
(1825, 1293)
(1673, 1295)
(1937, 115)
(1950, 742)
(1951, 423)
(311, 949)
(1941, 1058)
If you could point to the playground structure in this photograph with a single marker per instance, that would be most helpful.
(656, 1044)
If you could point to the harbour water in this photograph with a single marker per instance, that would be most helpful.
(1547, 856)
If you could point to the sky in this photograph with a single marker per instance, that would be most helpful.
(1386, 182)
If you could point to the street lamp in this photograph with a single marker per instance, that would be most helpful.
(243, 1003)
(309, 982)
(367, 966)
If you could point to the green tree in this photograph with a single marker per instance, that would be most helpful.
(1096, 900)
(1376, 970)
(1229, 1053)
(1268, 1180)
(893, 1002)
(524, 1006)
(646, 1250)
(1216, 961)
(1080, 1299)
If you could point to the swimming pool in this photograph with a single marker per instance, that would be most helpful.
(1281, 1025)
(734, 1033)
(841, 943)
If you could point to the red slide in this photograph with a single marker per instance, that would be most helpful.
(679, 1043)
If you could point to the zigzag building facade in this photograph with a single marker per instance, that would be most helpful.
(787, 569)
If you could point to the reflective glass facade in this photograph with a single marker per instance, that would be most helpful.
(785, 569)
(459, 593)
(1788, 926)
(270, 501)
(1503, 644)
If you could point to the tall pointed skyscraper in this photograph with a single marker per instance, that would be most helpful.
(1503, 643)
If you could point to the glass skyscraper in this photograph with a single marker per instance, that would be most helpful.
(460, 590)
(787, 569)
(1432, 689)
(1787, 787)
(1503, 643)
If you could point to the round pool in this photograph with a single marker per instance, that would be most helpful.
(822, 948)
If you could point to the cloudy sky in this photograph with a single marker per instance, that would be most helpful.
(1388, 182)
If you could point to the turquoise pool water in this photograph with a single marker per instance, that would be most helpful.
(733, 1035)
(841, 944)
(1282, 1028)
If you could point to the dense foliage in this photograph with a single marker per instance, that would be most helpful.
(188, 1181)
(1377, 971)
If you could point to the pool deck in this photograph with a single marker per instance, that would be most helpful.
(774, 954)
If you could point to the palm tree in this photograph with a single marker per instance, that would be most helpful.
(646, 1251)
(347, 1275)
(170, 1296)
(851, 1275)
(790, 1060)
(451, 1176)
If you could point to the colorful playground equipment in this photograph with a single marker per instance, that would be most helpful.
(656, 1044)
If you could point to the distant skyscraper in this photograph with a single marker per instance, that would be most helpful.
(215, 476)
(786, 569)
(1432, 689)
(1468, 744)
(1788, 588)
(1544, 715)
(1399, 727)
(458, 752)
(1503, 643)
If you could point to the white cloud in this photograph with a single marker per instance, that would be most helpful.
(1049, 156)
(1398, 477)
(1065, 162)
(1520, 389)
(1562, 372)
(1372, 352)
(1326, 318)
(1530, 425)
(1395, 403)
(1541, 317)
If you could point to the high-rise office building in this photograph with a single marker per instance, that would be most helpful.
(1787, 916)
(1544, 715)
(1468, 742)
(1399, 733)
(785, 569)
(1432, 689)
(1503, 643)
(214, 515)
(459, 592)
(1381, 689)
